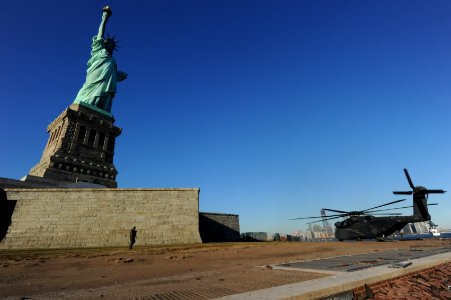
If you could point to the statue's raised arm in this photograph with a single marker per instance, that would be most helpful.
(102, 75)
(106, 14)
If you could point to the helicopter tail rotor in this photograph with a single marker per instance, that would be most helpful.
(417, 190)
(420, 197)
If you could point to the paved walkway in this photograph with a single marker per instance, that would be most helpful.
(341, 281)
(357, 262)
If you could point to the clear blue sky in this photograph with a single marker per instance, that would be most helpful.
(274, 109)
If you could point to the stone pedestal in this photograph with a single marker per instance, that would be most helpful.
(80, 148)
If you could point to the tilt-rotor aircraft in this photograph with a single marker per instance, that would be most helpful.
(364, 224)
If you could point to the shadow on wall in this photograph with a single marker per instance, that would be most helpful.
(6, 213)
(213, 231)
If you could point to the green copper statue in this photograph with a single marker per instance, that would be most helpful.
(102, 75)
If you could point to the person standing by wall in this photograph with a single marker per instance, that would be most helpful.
(132, 237)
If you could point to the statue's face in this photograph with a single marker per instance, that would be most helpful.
(109, 45)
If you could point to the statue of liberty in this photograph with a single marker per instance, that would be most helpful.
(102, 75)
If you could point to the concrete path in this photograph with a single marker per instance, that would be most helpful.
(357, 262)
(340, 282)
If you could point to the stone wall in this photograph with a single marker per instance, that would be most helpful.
(217, 227)
(65, 218)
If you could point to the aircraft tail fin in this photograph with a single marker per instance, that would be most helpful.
(420, 207)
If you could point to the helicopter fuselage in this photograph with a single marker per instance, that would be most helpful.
(371, 227)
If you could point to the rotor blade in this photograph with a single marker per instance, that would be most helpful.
(396, 201)
(403, 193)
(370, 212)
(322, 220)
(304, 218)
(436, 191)
(409, 179)
(313, 222)
(334, 210)
(340, 215)
(410, 206)
(387, 214)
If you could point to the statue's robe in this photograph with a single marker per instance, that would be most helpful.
(101, 78)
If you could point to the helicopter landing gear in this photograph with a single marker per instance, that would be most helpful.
(381, 238)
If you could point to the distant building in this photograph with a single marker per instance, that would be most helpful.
(317, 228)
(254, 236)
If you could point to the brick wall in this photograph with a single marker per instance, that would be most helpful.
(60, 218)
(217, 227)
(425, 284)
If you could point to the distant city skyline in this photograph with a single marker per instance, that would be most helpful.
(273, 109)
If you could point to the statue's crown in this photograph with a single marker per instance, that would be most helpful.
(111, 40)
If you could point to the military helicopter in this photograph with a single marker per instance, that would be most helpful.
(364, 224)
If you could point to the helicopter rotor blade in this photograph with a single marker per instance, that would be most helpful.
(304, 218)
(410, 206)
(318, 221)
(393, 202)
(387, 214)
(412, 186)
(340, 215)
(334, 210)
(436, 191)
(314, 222)
(374, 211)
(403, 193)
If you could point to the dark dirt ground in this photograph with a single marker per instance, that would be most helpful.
(200, 271)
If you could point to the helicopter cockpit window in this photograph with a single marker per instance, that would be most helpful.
(339, 224)
(346, 223)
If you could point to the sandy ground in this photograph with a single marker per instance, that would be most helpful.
(187, 272)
